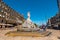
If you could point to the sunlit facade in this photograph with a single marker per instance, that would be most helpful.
(8, 15)
(54, 22)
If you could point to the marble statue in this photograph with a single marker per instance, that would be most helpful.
(28, 23)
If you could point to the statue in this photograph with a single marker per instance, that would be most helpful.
(28, 23)
(28, 14)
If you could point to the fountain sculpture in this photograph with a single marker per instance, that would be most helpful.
(28, 28)
(28, 23)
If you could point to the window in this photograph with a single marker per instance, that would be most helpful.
(2, 6)
(59, 17)
(0, 15)
(6, 8)
(1, 10)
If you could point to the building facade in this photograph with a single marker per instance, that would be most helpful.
(54, 22)
(9, 16)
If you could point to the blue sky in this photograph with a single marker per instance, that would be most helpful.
(40, 10)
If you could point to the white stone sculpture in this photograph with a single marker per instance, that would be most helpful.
(28, 23)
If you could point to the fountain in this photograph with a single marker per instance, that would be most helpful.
(28, 23)
(28, 28)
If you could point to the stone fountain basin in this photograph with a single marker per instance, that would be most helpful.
(30, 34)
(29, 29)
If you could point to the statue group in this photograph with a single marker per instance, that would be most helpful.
(28, 25)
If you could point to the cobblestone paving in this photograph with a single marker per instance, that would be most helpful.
(53, 36)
